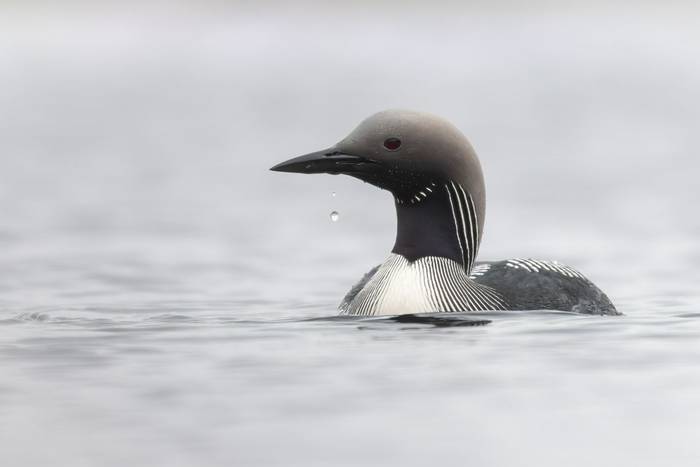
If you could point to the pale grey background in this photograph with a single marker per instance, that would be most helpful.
(153, 272)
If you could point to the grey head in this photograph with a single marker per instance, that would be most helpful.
(430, 168)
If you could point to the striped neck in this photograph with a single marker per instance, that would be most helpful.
(439, 220)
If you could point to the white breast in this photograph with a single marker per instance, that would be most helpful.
(429, 284)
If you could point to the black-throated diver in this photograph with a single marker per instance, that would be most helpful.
(435, 177)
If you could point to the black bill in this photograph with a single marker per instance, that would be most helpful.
(329, 161)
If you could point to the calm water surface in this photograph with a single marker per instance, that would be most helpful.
(160, 289)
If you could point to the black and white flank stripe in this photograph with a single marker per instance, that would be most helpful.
(535, 265)
(479, 270)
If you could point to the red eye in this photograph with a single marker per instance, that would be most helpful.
(392, 144)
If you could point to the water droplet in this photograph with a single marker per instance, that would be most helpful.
(335, 216)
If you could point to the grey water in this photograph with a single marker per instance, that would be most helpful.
(166, 300)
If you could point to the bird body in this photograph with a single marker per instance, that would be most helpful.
(433, 284)
(438, 187)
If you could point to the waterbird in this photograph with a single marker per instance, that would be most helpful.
(436, 179)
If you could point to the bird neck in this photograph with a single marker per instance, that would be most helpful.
(438, 220)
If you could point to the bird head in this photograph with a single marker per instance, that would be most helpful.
(401, 151)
